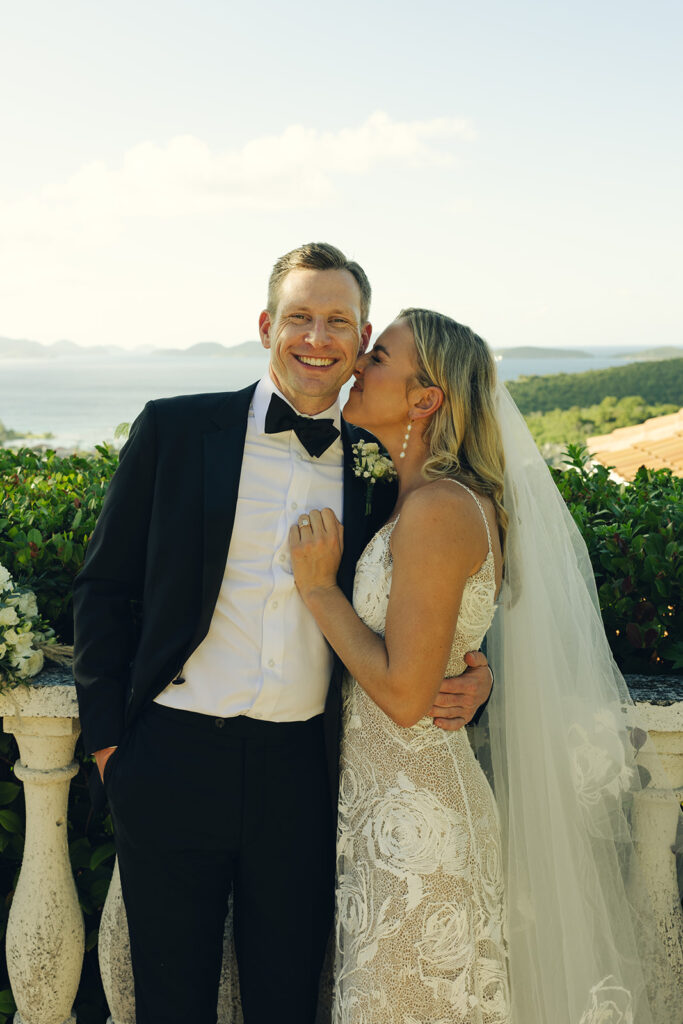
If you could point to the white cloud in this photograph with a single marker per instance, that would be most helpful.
(298, 168)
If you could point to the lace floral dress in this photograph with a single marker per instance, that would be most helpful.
(420, 902)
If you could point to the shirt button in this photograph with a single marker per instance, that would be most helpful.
(282, 558)
(271, 663)
(220, 722)
(294, 505)
(274, 604)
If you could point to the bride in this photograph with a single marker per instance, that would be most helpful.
(450, 908)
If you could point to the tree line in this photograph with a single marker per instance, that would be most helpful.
(655, 383)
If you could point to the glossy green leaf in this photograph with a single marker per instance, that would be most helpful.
(11, 821)
(9, 791)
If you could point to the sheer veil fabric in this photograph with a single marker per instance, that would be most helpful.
(583, 947)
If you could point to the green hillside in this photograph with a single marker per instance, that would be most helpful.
(574, 425)
(654, 382)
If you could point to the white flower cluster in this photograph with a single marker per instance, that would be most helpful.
(20, 629)
(370, 463)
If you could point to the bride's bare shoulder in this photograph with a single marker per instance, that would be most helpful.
(447, 499)
(442, 509)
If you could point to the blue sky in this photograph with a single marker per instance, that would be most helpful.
(516, 166)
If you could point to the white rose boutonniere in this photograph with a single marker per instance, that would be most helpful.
(372, 464)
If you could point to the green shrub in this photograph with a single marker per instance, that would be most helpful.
(634, 535)
(50, 505)
(48, 509)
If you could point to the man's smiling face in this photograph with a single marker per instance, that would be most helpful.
(315, 336)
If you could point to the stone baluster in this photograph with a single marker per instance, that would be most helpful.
(45, 934)
(113, 949)
(655, 819)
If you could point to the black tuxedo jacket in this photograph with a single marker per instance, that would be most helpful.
(144, 598)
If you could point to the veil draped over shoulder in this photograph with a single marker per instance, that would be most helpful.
(565, 770)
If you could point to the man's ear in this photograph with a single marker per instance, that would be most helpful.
(264, 327)
(430, 400)
(365, 335)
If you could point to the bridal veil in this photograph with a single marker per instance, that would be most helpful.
(564, 759)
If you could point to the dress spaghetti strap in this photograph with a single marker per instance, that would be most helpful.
(481, 508)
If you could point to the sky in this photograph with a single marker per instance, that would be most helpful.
(516, 166)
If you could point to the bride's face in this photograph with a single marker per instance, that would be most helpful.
(379, 399)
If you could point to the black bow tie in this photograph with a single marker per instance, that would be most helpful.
(315, 435)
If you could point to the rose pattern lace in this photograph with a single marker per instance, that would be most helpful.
(420, 924)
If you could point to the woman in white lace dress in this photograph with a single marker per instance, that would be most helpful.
(451, 910)
(420, 908)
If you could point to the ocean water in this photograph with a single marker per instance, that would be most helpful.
(80, 400)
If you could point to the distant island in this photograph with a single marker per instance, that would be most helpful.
(213, 349)
(532, 352)
(22, 348)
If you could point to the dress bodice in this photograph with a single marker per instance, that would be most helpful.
(372, 586)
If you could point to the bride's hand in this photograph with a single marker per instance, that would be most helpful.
(316, 544)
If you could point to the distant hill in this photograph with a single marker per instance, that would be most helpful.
(663, 352)
(211, 349)
(655, 382)
(247, 348)
(22, 348)
(532, 352)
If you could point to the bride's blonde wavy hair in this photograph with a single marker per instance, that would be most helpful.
(463, 434)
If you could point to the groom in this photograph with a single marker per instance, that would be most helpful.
(208, 695)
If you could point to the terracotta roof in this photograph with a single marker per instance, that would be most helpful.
(657, 443)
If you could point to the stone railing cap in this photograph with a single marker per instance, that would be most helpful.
(50, 694)
(660, 690)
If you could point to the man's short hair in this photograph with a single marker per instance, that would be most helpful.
(317, 256)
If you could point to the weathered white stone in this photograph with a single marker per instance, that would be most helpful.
(51, 694)
(45, 935)
(229, 1003)
(114, 955)
(655, 820)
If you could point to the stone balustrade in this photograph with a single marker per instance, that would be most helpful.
(45, 940)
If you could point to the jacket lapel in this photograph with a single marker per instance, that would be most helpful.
(223, 454)
(355, 525)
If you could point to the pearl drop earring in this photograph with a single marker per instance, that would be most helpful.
(406, 439)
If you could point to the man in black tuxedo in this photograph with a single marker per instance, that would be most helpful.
(207, 694)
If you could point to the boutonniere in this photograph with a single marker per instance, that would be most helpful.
(372, 464)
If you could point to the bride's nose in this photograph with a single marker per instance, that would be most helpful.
(359, 368)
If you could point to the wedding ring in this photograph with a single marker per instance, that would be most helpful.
(305, 521)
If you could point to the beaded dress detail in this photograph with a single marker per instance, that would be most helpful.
(420, 902)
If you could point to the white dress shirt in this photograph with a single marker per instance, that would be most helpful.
(264, 656)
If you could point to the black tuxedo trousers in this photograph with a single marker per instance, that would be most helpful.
(242, 805)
